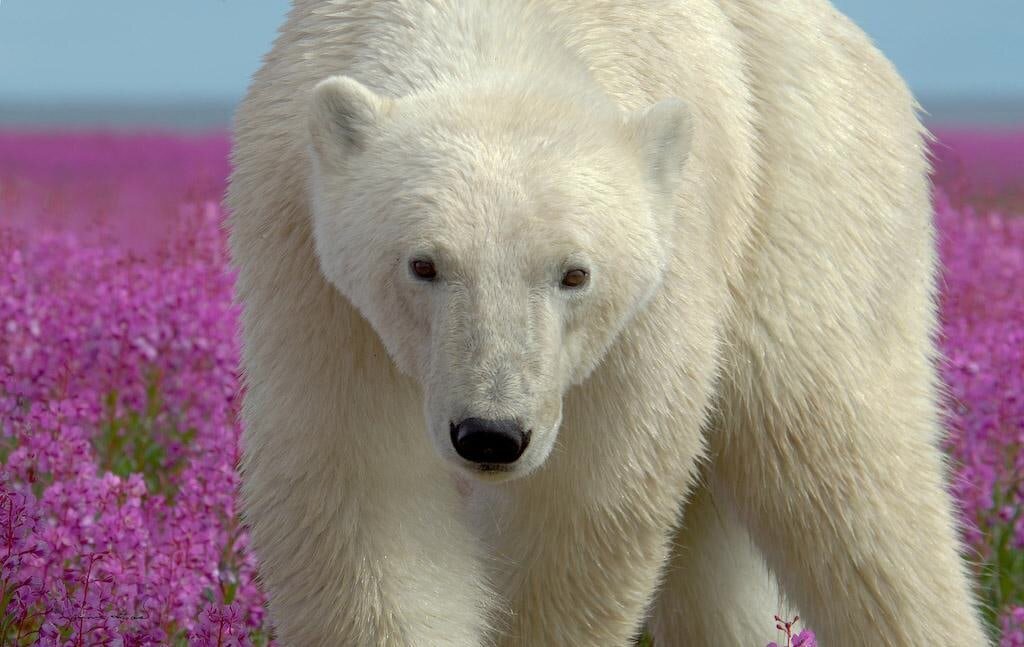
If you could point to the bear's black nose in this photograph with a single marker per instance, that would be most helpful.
(489, 441)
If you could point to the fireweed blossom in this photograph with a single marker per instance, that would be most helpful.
(119, 391)
(119, 396)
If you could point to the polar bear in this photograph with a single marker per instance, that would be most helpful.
(563, 319)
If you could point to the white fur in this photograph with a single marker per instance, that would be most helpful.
(745, 182)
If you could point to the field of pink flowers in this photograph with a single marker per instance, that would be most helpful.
(119, 394)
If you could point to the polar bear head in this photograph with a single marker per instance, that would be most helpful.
(497, 241)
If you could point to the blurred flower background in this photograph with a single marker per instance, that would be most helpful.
(119, 390)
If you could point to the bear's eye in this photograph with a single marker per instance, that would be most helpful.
(574, 278)
(423, 269)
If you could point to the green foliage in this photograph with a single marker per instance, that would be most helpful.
(137, 441)
(1002, 573)
(259, 638)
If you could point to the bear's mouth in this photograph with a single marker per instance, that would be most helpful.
(492, 467)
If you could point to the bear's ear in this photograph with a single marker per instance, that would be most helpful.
(343, 115)
(663, 133)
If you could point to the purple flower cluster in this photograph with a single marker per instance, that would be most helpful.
(984, 169)
(119, 393)
(803, 638)
(119, 399)
(983, 342)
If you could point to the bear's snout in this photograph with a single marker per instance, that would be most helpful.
(489, 441)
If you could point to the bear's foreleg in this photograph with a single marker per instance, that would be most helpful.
(356, 524)
(835, 468)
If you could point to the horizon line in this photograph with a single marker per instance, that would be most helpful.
(211, 113)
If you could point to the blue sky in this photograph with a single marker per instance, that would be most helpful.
(144, 50)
